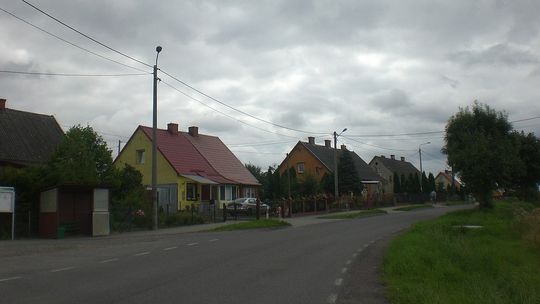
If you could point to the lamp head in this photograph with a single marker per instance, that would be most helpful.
(158, 49)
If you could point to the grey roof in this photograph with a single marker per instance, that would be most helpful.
(326, 156)
(400, 167)
(27, 138)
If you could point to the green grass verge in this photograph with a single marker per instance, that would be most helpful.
(260, 224)
(351, 215)
(438, 262)
(413, 207)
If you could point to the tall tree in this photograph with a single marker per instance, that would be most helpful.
(404, 183)
(348, 178)
(327, 183)
(81, 157)
(479, 147)
(425, 183)
(431, 182)
(526, 183)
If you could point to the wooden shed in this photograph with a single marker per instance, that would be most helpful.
(74, 210)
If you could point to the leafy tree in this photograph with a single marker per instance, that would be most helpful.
(425, 183)
(348, 179)
(397, 183)
(431, 182)
(479, 147)
(308, 185)
(526, 182)
(256, 171)
(327, 183)
(82, 157)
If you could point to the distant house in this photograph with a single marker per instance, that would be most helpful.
(445, 179)
(386, 167)
(26, 138)
(193, 169)
(318, 160)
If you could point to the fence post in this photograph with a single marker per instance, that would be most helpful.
(257, 209)
(224, 212)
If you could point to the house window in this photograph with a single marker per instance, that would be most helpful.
(191, 192)
(141, 155)
(250, 192)
(300, 167)
(227, 193)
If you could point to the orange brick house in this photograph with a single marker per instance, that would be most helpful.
(309, 158)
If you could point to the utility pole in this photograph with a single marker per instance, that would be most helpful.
(420, 154)
(119, 143)
(336, 189)
(154, 147)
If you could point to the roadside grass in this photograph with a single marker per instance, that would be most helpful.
(414, 207)
(363, 213)
(440, 261)
(260, 224)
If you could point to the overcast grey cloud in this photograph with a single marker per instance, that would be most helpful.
(373, 67)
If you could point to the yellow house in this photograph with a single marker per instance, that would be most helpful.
(192, 168)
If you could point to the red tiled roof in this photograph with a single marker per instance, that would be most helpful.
(222, 159)
(203, 155)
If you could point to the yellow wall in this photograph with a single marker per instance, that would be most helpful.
(301, 154)
(165, 172)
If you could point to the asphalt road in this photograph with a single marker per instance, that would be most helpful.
(330, 262)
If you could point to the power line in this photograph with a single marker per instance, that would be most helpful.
(71, 75)
(222, 113)
(526, 119)
(364, 143)
(69, 42)
(393, 135)
(238, 110)
(84, 35)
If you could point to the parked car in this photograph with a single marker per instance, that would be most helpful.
(246, 205)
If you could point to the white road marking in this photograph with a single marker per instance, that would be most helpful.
(10, 279)
(348, 262)
(169, 248)
(354, 255)
(142, 253)
(62, 269)
(332, 298)
(192, 244)
(372, 242)
(338, 282)
(343, 270)
(366, 245)
(109, 260)
(360, 250)
(213, 240)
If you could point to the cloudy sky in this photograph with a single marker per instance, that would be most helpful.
(381, 69)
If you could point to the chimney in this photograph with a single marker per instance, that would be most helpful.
(172, 128)
(393, 156)
(328, 143)
(343, 147)
(2, 103)
(402, 158)
(193, 131)
(311, 140)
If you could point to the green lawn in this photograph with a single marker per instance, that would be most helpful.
(351, 215)
(413, 207)
(263, 223)
(441, 262)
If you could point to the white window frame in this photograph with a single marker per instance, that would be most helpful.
(300, 168)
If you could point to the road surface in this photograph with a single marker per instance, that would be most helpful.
(328, 262)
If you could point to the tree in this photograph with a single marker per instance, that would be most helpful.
(397, 183)
(425, 183)
(404, 183)
(327, 183)
(479, 147)
(82, 157)
(256, 171)
(431, 182)
(308, 186)
(348, 179)
(526, 182)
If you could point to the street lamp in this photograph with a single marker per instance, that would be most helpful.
(421, 172)
(336, 191)
(154, 147)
